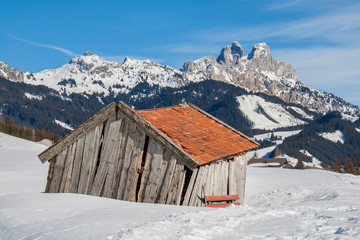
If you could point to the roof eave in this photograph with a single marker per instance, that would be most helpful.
(226, 157)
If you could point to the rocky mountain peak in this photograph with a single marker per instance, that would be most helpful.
(260, 50)
(88, 59)
(231, 54)
(13, 74)
(88, 53)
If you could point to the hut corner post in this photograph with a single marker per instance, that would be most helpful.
(243, 168)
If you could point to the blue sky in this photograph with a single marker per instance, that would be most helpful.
(321, 39)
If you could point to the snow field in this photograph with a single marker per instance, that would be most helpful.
(335, 137)
(280, 204)
(275, 117)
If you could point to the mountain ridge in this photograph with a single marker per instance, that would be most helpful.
(257, 71)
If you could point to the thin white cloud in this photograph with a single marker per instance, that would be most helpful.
(339, 27)
(282, 5)
(54, 47)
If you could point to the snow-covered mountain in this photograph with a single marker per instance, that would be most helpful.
(260, 72)
(90, 74)
(256, 72)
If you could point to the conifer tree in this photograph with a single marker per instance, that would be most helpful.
(300, 164)
(336, 165)
(351, 166)
(356, 170)
(347, 166)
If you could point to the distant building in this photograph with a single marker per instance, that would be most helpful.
(269, 162)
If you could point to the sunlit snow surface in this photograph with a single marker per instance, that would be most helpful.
(335, 137)
(64, 125)
(266, 115)
(280, 204)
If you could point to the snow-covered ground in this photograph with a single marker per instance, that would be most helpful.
(280, 204)
(280, 134)
(276, 116)
(336, 136)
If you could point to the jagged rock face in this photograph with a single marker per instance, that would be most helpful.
(231, 54)
(10, 73)
(257, 72)
(260, 72)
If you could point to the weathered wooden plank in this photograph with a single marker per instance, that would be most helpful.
(209, 188)
(113, 161)
(165, 186)
(107, 126)
(135, 161)
(190, 187)
(58, 172)
(69, 171)
(125, 129)
(235, 176)
(95, 157)
(67, 164)
(197, 194)
(69, 139)
(113, 176)
(77, 165)
(201, 194)
(86, 162)
(175, 186)
(50, 174)
(217, 178)
(181, 187)
(145, 174)
(88, 167)
(107, 158)
(155, 133)
(243, 166)
(156, 172)
(224, 178)
(125, 158)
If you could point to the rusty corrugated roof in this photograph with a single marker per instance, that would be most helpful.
(201, 136)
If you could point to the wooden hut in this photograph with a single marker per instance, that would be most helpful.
(168, 155)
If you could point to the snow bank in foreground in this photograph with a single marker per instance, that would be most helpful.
(20, 170)
(280, 204)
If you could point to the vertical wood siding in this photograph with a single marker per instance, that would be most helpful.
(107, 162)
(111, 161)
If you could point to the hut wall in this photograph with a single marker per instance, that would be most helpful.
(117, 159)
(224, 177)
